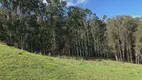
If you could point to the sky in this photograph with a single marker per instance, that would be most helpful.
(111, 8)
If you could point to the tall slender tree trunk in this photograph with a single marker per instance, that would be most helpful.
(76, 46)
(115, 52)
(53, 41)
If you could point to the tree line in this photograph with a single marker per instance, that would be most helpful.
(56, 29)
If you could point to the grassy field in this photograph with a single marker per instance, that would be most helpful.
(21, 65)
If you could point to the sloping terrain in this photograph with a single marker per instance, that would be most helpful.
(16, 64)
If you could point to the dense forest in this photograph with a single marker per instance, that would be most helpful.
(53, 28)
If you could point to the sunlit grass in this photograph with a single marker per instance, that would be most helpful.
(21, 65)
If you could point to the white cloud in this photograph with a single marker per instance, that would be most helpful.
(78, 2)
(44, 1)
(136, 16)
(62, 0)
(71, 2)
(81, 1)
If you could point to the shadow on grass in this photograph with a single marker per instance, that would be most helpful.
(99, 59)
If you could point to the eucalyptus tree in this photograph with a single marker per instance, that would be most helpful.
(54, 12)
(74, 25)
(97, 30)
(121, 36)
(138, 43)
(18, 14)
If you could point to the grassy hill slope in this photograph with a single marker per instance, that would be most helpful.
(21, 65)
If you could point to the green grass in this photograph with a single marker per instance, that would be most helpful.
(28, 66)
